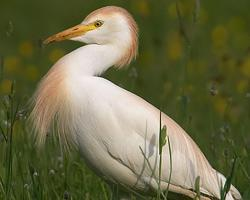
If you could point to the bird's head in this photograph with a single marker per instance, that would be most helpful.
(109, 25)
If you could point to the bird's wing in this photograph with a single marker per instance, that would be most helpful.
(127, 127)
(140, 124)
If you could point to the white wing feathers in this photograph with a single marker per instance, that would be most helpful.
(138, 150)
(121, 131)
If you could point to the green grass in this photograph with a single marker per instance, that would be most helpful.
(194, 63)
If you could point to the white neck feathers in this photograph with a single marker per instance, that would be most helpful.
(52, 101)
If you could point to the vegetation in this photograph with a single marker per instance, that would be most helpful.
(193, 63)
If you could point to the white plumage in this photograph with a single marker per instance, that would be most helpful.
(114, 129)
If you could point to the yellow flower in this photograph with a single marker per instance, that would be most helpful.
(219, 36)
(26, 49)
(5, 86)
(11, 65)
(174, 46)
(55, 54)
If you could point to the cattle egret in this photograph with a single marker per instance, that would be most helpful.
(116, 131)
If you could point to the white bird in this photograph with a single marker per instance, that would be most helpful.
(116, 131)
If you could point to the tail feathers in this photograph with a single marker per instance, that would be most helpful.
(235, 193)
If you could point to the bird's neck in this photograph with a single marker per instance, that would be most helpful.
(52, 99)
(90, 60)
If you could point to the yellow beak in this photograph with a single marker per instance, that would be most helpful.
(70, 33)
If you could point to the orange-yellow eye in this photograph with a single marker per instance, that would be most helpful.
(98, 23)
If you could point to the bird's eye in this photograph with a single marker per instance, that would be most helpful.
(98, 23)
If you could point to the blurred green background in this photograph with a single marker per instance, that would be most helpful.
(193, 63)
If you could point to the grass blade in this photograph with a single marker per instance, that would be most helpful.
(228, 182)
